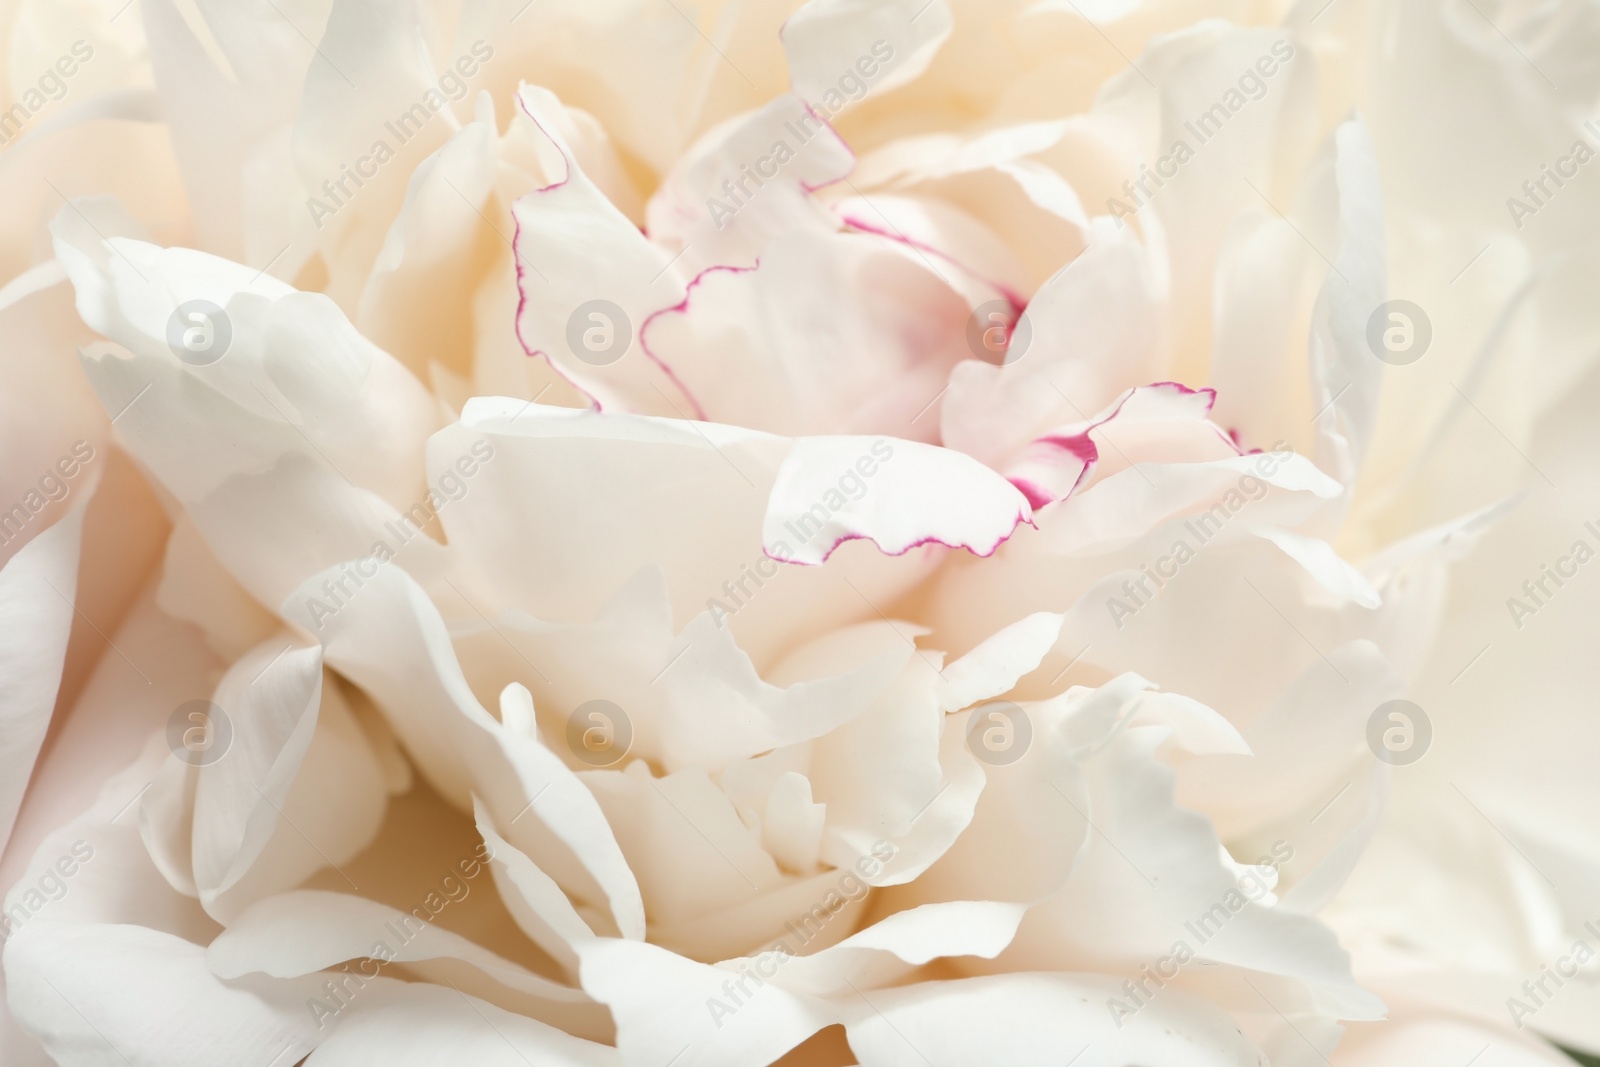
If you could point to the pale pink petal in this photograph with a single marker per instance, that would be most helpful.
(747, 183)
(1161, 423)
(828, 333)
(1089, 333)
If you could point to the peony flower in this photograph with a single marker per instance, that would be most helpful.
(855, 531)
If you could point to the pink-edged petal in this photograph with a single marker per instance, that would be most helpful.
(747, 183)
(605, 475)
(915, 494)
(574, 249)
(1161, 423)
(990, 181)
(1088, 334)
(971, 258)
(829, 333)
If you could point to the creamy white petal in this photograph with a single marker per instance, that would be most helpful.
(416, 1025)
(37, 587)
(464, 750)
(748, 182)
(921, 494)
(1037, 1019)
(574, 249)
(827, 40)
(307, 931)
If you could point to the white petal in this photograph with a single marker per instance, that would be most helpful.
(828, 333)
(1038, 1020)
(299, 416)
(1423, 1039)
(604, 474)
(421, 1025)
(665, 1004)
(389, 639)
(918, 494)
(307, 931)
(573, 247)
(85, 991)
(299, 789)
(1323, 563)
(827, 39)
(1090, 333)
(1346, 376)
(748, 182)
(196, 588)
(1161, 423)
